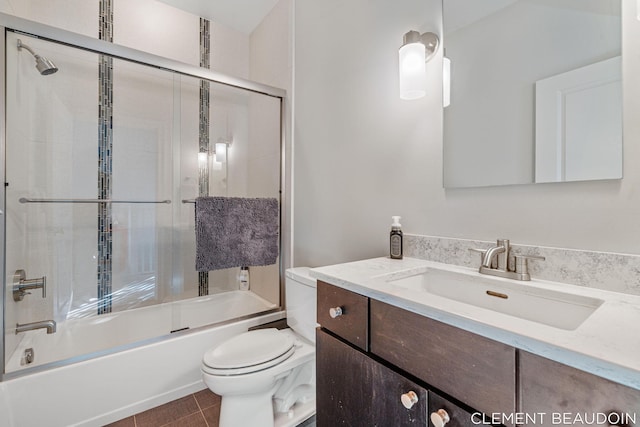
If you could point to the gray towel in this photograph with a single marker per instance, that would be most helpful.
(236, 232)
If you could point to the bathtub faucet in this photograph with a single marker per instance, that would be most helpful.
(21, 285)
(50, 325)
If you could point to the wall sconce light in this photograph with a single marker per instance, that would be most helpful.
(415, 51)
(221, 152)
(221, 149)
(446, 81)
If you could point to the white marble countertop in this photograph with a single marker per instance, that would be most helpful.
(606, 344)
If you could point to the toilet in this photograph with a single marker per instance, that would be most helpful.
(266, 377)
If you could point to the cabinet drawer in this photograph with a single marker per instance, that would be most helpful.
(559, 390)
(353, 323)
(477, 371)
(355, 390)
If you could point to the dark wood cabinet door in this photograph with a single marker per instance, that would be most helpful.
(355, 390)
(353, 323)
(559, 395)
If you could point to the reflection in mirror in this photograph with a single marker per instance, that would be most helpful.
(536, 91)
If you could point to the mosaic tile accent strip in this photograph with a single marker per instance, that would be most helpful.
(203, 146)
(105, 24)
(602, 270)
(105, 166)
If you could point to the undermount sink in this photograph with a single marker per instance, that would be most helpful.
(519, 299)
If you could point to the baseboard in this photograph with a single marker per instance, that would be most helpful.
(141, 406)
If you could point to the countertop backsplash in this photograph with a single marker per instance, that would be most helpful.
(603, 270)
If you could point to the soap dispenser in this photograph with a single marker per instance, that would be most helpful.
(395, 239)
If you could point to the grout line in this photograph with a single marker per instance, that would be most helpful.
(197, 403)
(200, 408)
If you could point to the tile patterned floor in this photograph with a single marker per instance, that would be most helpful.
(201, 409)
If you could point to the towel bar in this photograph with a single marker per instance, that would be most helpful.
(28, 200)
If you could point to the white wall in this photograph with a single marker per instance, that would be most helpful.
(362, 155)
(270, 50)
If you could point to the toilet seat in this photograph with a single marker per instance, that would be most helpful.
(249, 352)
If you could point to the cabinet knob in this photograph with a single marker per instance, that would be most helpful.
(335, 312)
(409, 399)
(439, 418)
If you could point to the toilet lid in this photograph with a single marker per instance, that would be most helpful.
(255, 350)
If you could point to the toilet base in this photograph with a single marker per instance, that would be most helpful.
(255, 410)
(298, 413)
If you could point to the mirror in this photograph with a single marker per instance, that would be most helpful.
(535, 91)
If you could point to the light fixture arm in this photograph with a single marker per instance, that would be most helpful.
(429, 40)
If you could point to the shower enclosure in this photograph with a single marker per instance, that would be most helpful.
(103, 162)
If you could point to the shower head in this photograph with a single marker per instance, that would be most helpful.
(44, 65)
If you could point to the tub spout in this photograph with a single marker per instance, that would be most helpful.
(49, 325)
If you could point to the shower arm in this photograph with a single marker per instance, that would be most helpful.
(24, 46)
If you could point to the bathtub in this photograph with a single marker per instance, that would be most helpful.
(85, 336)
(115, 379)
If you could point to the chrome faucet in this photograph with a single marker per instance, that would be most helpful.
(495, 262)
(500, 252)
(21, 285)
(50, 325)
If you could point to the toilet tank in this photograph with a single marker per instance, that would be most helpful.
(300, 299)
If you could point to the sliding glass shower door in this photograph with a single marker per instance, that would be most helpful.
(105, 158)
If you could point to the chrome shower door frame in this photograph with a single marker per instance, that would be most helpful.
(57, 35)
(3, 245)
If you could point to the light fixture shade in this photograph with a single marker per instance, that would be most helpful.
(413, 77)
(221, 152)
(446, 81)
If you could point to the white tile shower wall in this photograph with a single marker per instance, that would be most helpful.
(143, 140)
(271, 52)
(154, 27)
(603, 270)
(74, 122)
(270, 47)
(46, 159)
(79, 16)
(146, 25)
(263, 177)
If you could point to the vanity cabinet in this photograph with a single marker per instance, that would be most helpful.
(371, 353)
(561, 394)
